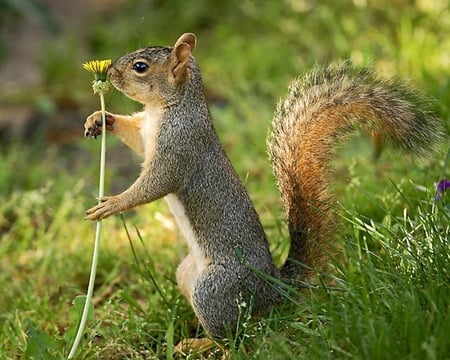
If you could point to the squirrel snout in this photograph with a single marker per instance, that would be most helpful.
(114, 76)
(112, 71)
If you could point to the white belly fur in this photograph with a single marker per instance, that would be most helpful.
(177, 210)
(149, 130)
(196, 261)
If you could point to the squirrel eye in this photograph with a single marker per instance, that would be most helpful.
(140, 67)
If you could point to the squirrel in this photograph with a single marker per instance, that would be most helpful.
(185, 163)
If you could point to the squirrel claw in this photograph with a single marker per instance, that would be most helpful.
(107, 206)
(93, 124)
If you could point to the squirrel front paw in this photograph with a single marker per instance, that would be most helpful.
(93, 124)
(108, 205)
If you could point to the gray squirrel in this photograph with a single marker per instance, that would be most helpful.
(185, 163)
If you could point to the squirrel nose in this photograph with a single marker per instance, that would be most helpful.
(113, 69)
(108, 72)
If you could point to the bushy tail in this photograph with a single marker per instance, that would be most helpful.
(320, 110)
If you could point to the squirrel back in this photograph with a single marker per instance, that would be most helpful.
(320, 111)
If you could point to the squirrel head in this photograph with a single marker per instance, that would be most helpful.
(154, 75)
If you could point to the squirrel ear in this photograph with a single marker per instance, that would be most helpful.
(187, 38)
(181, 51)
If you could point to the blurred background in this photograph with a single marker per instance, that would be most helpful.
(246, 48)
(248, 51)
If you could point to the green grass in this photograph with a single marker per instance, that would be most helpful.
(386, 293)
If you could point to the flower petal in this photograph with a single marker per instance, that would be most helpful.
(98, 67)
(443, 185)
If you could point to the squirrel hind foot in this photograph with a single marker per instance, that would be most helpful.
(194, 346)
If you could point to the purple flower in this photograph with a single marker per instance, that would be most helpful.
(440, 188)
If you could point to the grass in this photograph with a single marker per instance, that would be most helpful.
(386, 292)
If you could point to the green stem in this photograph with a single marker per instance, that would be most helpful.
(98, 232)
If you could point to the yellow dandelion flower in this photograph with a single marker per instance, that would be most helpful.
(99, 68)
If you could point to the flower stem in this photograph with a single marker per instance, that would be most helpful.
(98, 233)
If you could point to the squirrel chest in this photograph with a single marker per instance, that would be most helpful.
(149, 130)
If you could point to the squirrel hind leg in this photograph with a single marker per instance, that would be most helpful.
(225, 296)
(188, 272)
(214, 301)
